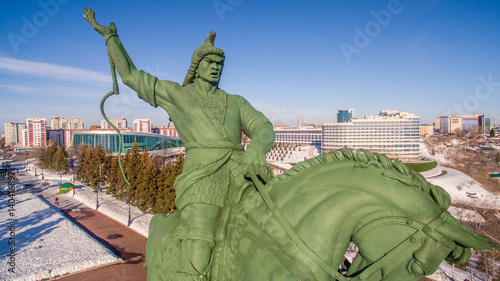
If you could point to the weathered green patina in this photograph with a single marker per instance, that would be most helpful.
(398, 220)
(298, 225)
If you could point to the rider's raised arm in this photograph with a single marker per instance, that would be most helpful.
(143, 83)
(123, 63)
(126, 68)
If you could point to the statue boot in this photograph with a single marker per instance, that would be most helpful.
(200, 222)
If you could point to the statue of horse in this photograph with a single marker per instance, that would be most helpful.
(300, 224)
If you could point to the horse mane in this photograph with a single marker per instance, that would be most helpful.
(369, 159)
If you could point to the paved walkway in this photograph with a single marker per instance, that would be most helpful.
(126, 243)
(121, 240)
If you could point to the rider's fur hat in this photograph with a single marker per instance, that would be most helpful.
(207, 48)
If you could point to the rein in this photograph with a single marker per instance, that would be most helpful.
(115, 91)
(293, 235)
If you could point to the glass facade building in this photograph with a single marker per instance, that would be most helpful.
(110, 141)
(345, 115)
(393, 133)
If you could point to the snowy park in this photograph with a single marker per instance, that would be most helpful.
(44, 243)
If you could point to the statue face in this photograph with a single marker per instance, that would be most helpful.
(210, 68)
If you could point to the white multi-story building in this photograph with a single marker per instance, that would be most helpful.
(393, 133)
(167, 131)
(426, 130)
(60, 123)
(37, 132)
(142, 125)
(120, 123)
(309, 136)
(13, 135)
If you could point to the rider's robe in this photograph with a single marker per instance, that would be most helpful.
(210, 128)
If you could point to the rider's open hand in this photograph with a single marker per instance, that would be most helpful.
(103, 30)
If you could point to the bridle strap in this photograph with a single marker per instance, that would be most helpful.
(293, 235)
(421, 232)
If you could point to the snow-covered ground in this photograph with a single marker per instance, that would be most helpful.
(108, 205)
(462, 189)
(47, 244)
(113, 208)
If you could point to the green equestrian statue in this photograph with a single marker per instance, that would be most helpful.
(210, 123)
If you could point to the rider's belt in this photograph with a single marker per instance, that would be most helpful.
(218, 144)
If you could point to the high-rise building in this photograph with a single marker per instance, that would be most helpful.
(37, 132)
(301, 122)
(392, 132)
(59, 123)
(13, 135)
(345, 115)
(120, 123)
(168, 131)
(24, 138)
(142, 125)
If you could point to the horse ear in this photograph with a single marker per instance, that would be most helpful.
(459, 255)
(463, 236)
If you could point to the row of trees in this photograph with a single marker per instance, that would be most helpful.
(151, 182)
(54, 157)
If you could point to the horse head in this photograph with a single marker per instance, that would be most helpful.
(398, 248)
(411, 242)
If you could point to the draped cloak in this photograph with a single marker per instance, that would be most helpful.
(210, 128)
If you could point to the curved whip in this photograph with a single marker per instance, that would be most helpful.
(120, 137)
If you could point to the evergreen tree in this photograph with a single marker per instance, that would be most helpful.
(492, 133)
(132, 172)
(40, 154)
(146, 182)
(99, 175)
(60, 161)
(80, 168)
(164, 193)
(49, 154)
(119, 185)
(89, 172)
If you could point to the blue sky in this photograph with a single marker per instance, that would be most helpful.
(290, 59)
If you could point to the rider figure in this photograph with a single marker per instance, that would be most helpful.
(210, 123)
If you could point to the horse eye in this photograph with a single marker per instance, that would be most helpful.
(416, 268)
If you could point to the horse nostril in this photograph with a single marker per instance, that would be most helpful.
(416, 268)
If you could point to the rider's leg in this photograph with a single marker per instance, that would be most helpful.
(200, 221)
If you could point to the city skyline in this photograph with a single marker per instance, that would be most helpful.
(289, 59)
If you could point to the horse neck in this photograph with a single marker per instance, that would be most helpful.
(330, 202)
(324, 207)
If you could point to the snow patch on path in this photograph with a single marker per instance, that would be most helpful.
(47, 244)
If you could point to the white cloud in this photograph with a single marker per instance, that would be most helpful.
(53, 71)
(17, 88)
